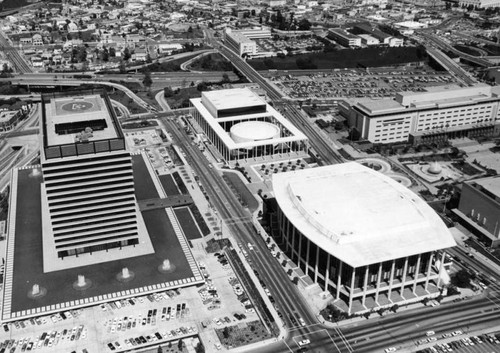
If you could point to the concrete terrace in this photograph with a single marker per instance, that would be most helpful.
(24, 268)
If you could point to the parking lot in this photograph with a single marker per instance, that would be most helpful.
(141, 321)
(349, 83)
(485, 343)
(296, 44)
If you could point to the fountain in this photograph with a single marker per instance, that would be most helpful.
(125, 275)
(166, 267)
(35, 172)
(82, 283)
(37, 292)
(435, 168)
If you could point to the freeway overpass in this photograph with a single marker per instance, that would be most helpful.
(453, 68)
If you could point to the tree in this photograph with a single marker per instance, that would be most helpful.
(122, 67)
(225, 332)
(462, 278)
(202, 86)
(160, 350)
(126, 54)
(168, 92)
(180, 344)
(147, 81)
(304, 25)
(200, 348)
(225, 78)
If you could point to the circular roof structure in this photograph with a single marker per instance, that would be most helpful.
(254, 131)
(359, 215)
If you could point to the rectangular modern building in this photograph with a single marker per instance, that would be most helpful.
(480, 4)
(434, 115)
(240, 124)
(479, 209)
(344, 38)
(240, 43)
(88, 185)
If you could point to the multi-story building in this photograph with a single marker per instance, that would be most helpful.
(88, 184)
(9, 119)
(435, 115)
(480, 4)
(361, 235)
(368, 39)
(344, 38)
(256, 33)
(240, 43)
(479, 209)
(364, 28)
(240, 124)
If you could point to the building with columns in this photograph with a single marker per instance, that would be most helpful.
(240, 125)
(361, 235)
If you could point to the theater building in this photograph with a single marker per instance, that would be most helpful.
(361, 235)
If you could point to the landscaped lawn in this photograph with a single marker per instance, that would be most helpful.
(239, 335)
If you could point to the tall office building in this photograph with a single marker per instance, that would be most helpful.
(88, 186)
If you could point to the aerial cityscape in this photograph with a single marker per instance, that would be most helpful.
(190, 176)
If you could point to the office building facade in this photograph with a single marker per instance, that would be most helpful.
(88, 184)
(427, 117)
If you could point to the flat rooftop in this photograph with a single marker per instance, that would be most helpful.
(65, 117)
(231, 98)
(240, 37)
(492, 184)
(433, 98)
(6, 116)
(358, 215)
(214, 122)
(24, 263)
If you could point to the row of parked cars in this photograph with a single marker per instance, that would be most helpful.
(46, 339)
(43, 320)
(156, 336)
(465, 341)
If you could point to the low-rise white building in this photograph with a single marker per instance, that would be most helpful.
(344, 38)
(240, 125)
(367, 39)
(240, 43)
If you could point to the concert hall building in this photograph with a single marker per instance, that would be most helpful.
(361, 235)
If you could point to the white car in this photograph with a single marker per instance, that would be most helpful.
(304, 342)
(430, 333)
(390, 350)
(431, 339)
(218, 346)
